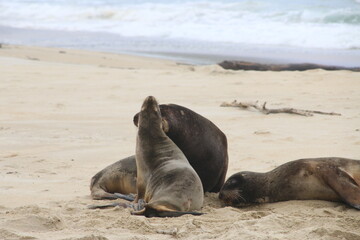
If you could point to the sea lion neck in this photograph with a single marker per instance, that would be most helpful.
(258, 187)
(151, 131)
(152, 142)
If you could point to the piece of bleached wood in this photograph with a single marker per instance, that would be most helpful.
(263, 109)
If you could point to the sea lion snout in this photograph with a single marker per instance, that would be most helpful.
(150, 103)
(149, 115)
(231, 192)
(231, 197)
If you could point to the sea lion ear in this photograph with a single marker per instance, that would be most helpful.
(165, 125)
(136, 119)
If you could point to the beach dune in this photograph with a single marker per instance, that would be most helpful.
(66, 114)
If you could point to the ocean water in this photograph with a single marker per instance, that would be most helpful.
(320, 31)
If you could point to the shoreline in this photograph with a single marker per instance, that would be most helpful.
(66, 114)
(183, 51)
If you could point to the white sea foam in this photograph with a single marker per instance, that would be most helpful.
(332, 24)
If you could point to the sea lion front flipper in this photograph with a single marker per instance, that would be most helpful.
(345, 186)
(154, 210)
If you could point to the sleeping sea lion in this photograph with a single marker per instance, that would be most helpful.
(331, 179)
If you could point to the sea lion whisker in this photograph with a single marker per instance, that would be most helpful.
(231, 195)
(244, 200)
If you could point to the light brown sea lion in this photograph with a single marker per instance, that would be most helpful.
(165, 179)
(202, 142)
(119, 177)
(331, 179)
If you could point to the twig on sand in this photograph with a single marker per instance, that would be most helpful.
(262, 108)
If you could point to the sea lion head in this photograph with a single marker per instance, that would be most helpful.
(237, 190)
(148, 102)
(149, 116)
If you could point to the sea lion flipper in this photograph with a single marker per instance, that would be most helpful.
(155, 210)
(125, 205)
(130, 197)
(138, 207)
(141, 212)
(345, 186)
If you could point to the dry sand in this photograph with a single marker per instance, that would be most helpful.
(66, 114)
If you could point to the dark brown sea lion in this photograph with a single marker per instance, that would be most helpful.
(165, 179)
(331, 179)
(204, 145)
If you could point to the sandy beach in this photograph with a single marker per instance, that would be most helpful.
(67, 114)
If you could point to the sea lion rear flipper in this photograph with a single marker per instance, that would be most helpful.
(345, 186)
(125, 205)
(100, 194)
(136, 206)
(129, 197)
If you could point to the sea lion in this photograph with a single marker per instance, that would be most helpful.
(165, 179)
(119, 177)
(202, 142)
(331, 179)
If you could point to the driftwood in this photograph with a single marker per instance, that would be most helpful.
(240, 65)
(262, 108)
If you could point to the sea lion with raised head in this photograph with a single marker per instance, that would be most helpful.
(166, 181)
(202, 142)
(330, 179)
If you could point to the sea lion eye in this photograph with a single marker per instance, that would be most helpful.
(231, 182)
